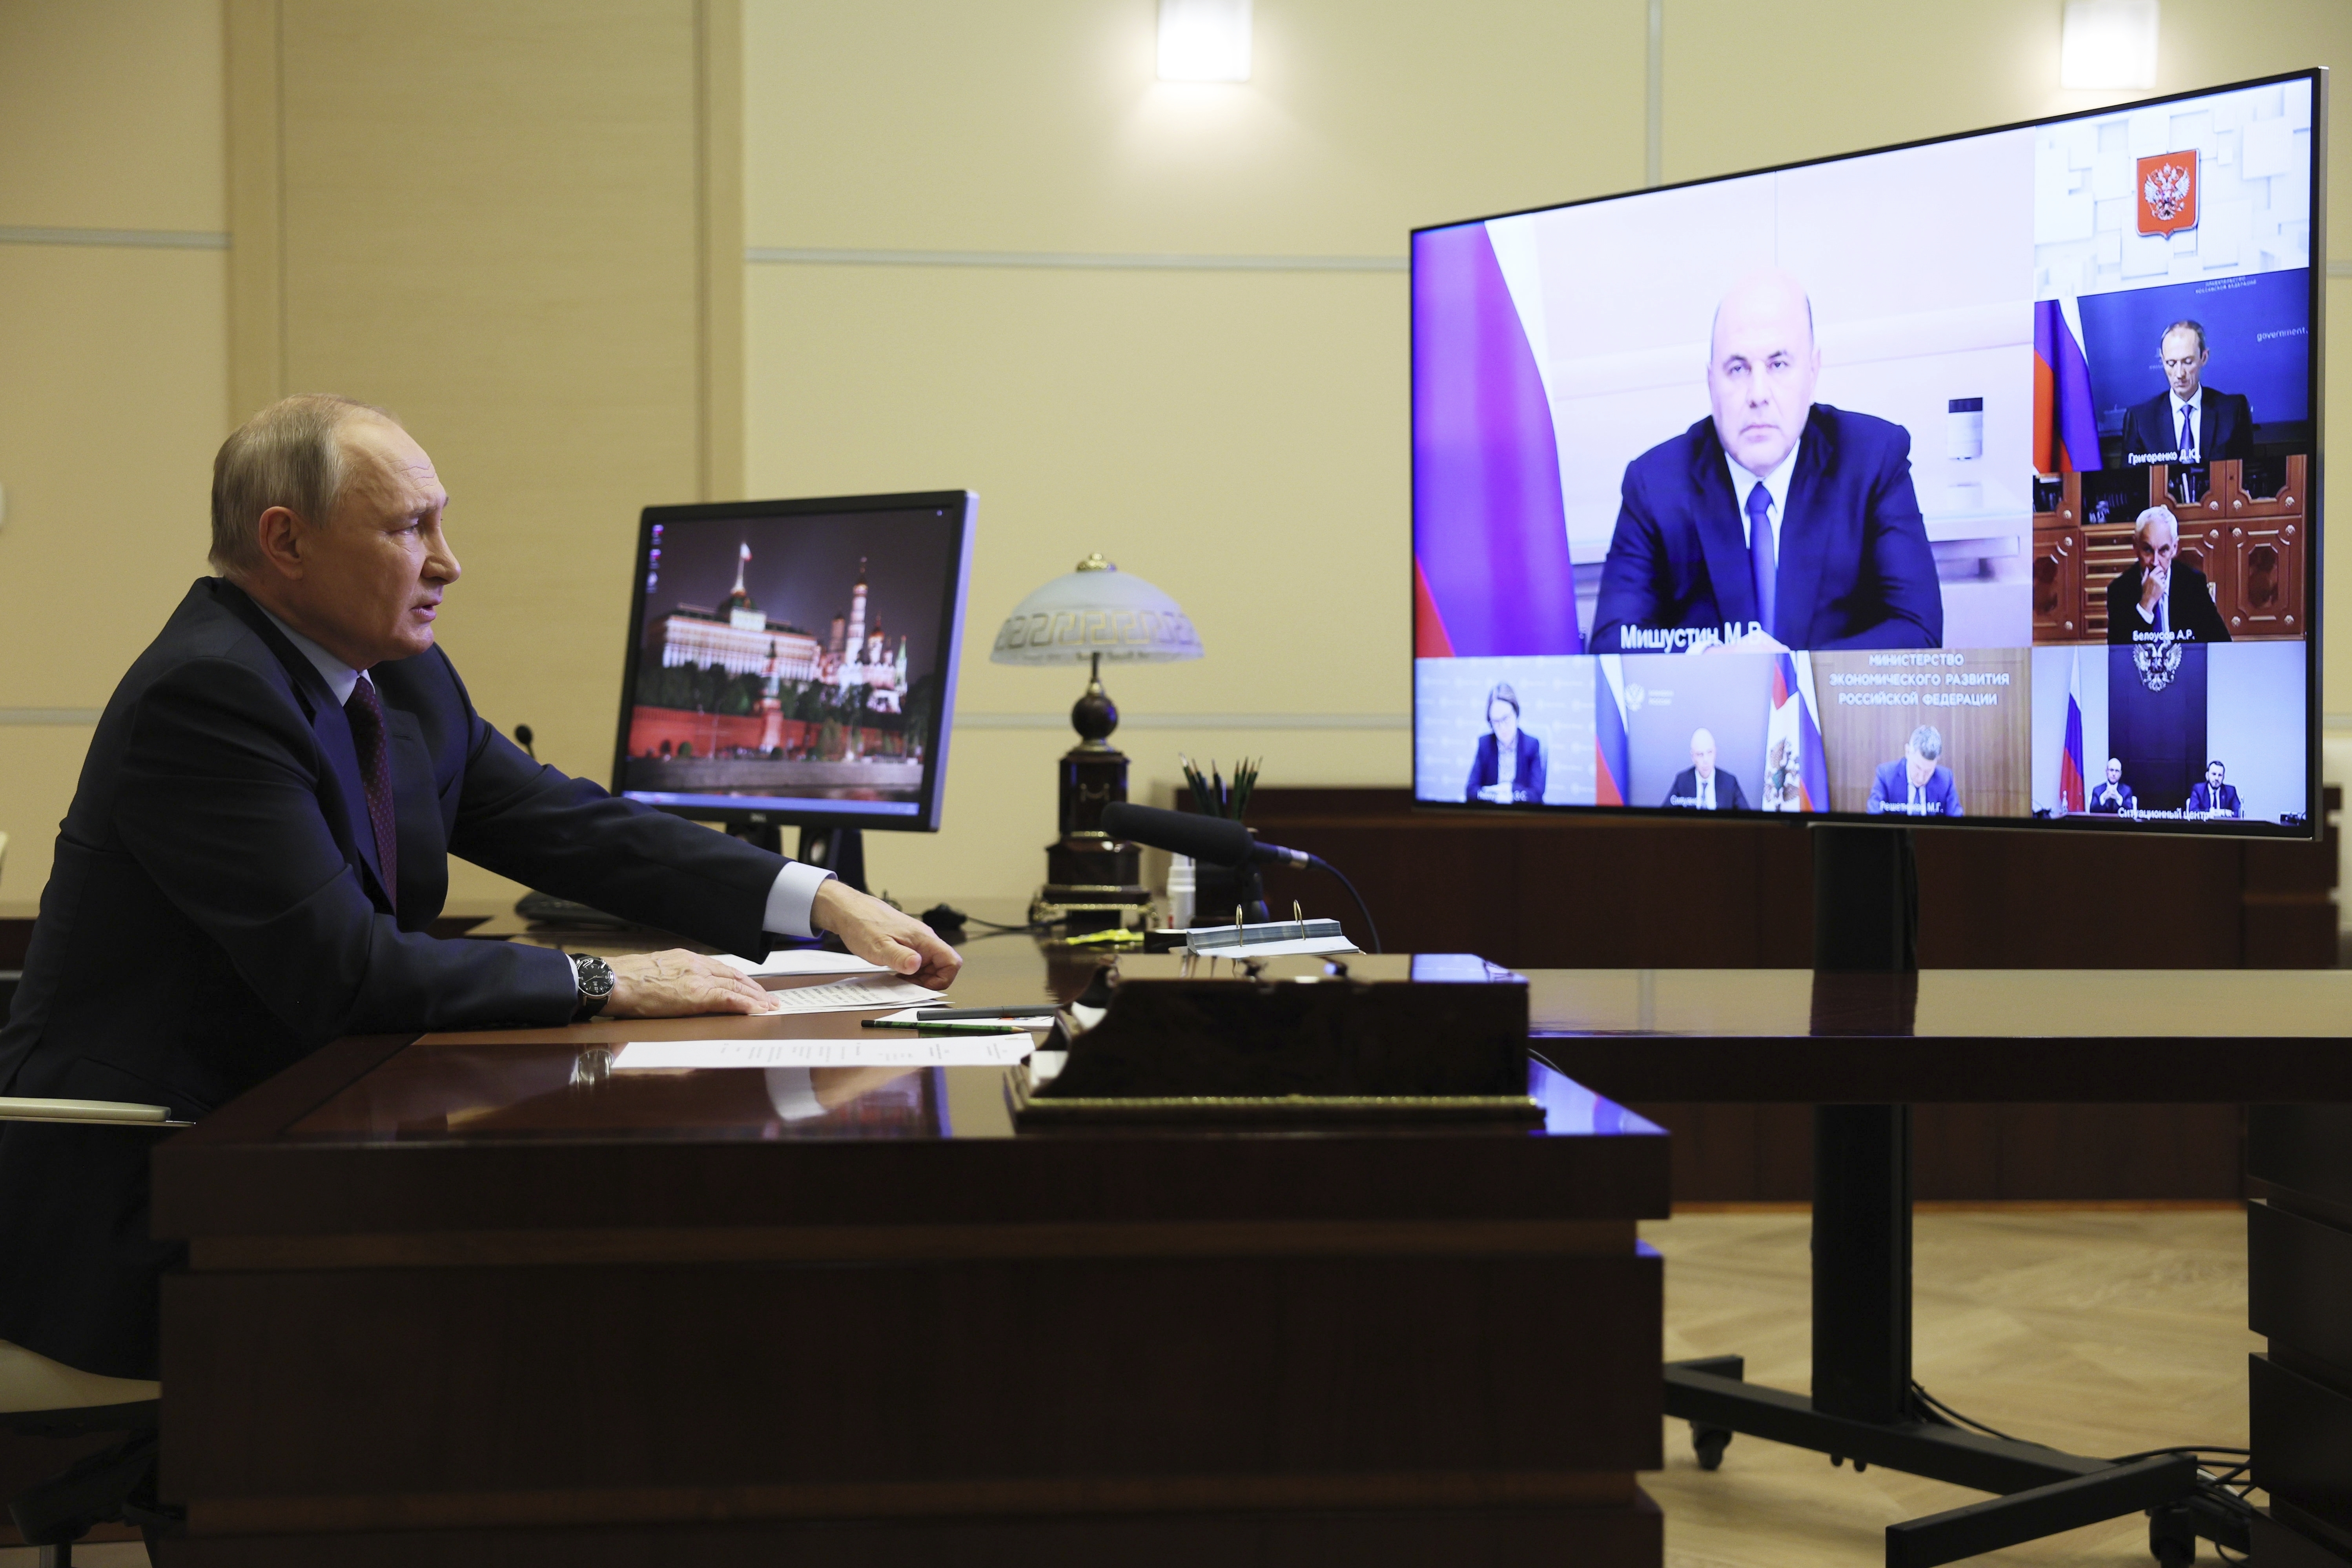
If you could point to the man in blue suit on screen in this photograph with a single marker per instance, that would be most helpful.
(1915, 783)
(2211, 797)
(1778, 522)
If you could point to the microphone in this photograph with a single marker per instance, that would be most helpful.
(1217, 841)
(1212, 840)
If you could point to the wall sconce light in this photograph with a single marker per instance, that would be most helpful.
(2107, 44)
(1205, 40)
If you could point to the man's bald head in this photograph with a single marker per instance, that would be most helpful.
(291, 453)
(1762, 363)
(1703, 753)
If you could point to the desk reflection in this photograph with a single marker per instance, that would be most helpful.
(554, 1091)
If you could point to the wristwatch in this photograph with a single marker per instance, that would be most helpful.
(595, 978)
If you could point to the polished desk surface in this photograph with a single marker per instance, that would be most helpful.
(1949, 1035)
(532, 1138)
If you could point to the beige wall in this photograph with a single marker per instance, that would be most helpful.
(112, 362)
(516, 222)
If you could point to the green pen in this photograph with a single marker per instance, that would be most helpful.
(949, 1026)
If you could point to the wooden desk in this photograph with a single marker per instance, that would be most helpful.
(445, 1307)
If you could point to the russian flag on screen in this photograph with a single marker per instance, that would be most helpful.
(2070, 760)
(1796, 773)
(2065, 420)
(1611, 774)
(1491, 574)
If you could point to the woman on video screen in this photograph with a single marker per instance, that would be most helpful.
(1509, 767)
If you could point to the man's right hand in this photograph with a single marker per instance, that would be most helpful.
(880, 934)
(679, 984)
(2153, 586)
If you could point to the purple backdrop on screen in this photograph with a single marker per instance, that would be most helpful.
(1489, 530)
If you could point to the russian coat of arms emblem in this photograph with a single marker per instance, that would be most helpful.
(2167, 193)
(2158, 662)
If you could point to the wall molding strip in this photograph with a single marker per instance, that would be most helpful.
(132, 238)
(801, 256)
(1366, 721)
(62, 717)
(2339, 269)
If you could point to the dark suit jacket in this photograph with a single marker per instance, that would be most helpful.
(2096, 788)
(2201, 798)
(1728, 795)
(1854, 569)
(216, 912)
(2225, 429)
(1890, 790)
(1485, 769)
(2188, 604)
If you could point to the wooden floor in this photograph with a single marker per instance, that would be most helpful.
(2100, 1331)
(2097, 1332)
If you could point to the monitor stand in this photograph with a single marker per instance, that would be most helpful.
(840, 850)
(1865, 1405)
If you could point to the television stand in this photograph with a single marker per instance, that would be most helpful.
(1863, 1404)
(840, 850)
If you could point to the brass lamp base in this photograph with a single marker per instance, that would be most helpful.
(1093, 881)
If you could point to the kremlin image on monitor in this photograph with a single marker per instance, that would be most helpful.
(783, 658)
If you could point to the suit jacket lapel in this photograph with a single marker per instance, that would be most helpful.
(1722, 536)
(347, 813)
(1804, 533)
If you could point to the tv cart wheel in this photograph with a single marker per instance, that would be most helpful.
(1708, 1443)
(2171, 1536)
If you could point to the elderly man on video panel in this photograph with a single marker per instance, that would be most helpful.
(1915, 783)
(2110, 796)
(1777, 521)
(1703, 786)
(2159, 597)
(2188, 422)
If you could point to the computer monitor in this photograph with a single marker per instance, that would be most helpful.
(793, 662)
(1974, 481)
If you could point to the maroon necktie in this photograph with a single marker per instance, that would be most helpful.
(366, 714)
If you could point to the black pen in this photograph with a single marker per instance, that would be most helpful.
(1027, 1010)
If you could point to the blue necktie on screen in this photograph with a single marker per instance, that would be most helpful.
(1761, 563)
(2187, 434)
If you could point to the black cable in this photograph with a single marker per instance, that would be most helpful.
(1953, 1417)
(1362, 908)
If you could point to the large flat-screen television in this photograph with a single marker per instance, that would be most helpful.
(1971, 480)
(794, 661)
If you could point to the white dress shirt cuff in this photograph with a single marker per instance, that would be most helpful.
(792, 898)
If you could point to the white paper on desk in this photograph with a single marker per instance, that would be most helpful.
(882, 990)
(803, 961)
(935, 1051)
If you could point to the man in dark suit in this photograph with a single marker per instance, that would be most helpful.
(2110, 796)
(1777, 521)
(1508, 767)
(2211, 797)
(2157, 597)
(1703, 786)
(2188, 422)
(256, 851)
(1915, 783)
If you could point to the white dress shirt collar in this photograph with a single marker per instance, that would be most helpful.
(2196, 417)
(1776, 485)
(341, 677)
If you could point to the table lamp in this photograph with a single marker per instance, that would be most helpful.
(1095, 614)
